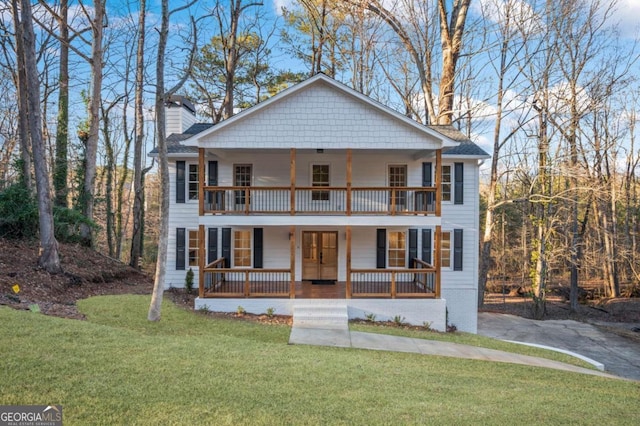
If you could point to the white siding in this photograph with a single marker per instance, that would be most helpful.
(181, 215)
(178, 119)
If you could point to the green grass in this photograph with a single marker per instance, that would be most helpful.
(117, 368)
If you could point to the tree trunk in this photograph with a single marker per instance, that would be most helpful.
(22, 91)
(97, 25)
(451, 38)
(138, 188)
(155, 307)
(60, 171)
(49, 259)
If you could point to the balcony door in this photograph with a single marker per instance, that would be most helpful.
(398, 178)
(320, 255)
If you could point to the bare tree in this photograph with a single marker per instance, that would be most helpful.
(513, 25)
(230, 47)
(451, 24)
(138, 188)
(26, 56)
(155, 307)
(60, 170)
(20, 79)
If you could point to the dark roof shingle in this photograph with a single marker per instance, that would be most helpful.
(174, 145)
(466, 147)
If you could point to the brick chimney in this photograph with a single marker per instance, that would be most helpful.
(180, 114)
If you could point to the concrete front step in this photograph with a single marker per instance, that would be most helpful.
(321, 316)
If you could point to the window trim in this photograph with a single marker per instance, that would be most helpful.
(449, 250)
(450, 182)
(195, 249)
(400, 195)
(234, 249)
(319, 191)
(388, 248)
(239, 196)
(189, 182)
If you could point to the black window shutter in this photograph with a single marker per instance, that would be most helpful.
(426, 245)
(457, 249)
(459, 183)
(213, 173)
(381, 248)
(180, 248)
(413, 246)
(257, 247)
(426, 174)
(212, 245)
(212, 180)
(226, 246)
(427, 180)
(180, 181)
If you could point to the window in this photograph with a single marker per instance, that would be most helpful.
(242, 177)
(242, 248)
(398, 178)
(193, 248)
(397, 250)
(320, 177)
(194, 181)
(445, 249)
(446, 183)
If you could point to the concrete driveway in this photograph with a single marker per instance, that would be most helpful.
(620, 355)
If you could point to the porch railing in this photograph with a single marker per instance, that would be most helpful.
(245, 282)
(420, 281)
(319, 200)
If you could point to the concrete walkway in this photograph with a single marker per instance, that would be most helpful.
(355, 339)
(620, 355)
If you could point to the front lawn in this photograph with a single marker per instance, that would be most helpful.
(117, 368)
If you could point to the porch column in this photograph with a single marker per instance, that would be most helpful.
(201, 256)
(292, 261)
(292, 173)
(349, 160)
(437, 258)
(201, 181)
(348, 295)
(438, 182)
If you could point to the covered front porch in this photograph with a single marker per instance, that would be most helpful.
(319, 265)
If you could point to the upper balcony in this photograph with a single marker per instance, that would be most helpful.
(348, 201)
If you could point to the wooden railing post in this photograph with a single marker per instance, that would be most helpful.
(349, 179)
(292, 177)
(349, 290)
(438, 257)
(246, 284)
(201, 181)
(201, 257)
(438, 180)
(292, 261)
(393, 285)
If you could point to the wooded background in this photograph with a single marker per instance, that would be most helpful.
(549, 88)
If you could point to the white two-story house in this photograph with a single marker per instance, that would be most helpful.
(322, 192)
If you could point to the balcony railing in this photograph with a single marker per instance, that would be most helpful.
(420, 281)
(244, 282)
(320, 200)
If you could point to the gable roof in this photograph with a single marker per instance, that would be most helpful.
(291, 101)
(453, 142)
